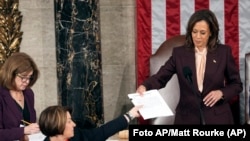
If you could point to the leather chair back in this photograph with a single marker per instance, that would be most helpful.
(170, 93)
(247, 87)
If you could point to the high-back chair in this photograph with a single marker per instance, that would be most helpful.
(170, 93)
(247, 88)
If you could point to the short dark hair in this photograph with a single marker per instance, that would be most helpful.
(209, 17)
(52, 120)
(18, 62)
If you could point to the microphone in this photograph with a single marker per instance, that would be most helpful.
(188, 74)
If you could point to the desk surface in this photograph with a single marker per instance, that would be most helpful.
(116, 138)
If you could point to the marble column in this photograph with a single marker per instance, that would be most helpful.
(78, 52)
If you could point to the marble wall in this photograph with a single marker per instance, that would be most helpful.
(117, 40)
(78, 53)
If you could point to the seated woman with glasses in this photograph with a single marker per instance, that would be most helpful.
(17, 75)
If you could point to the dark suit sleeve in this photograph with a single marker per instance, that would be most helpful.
(101, 133)
(9, 124)
(163, 75)
(233, 81)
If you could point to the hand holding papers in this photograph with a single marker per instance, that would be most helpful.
(153, 104)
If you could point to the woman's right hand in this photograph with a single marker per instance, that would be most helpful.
(31, 129)
(141, 89)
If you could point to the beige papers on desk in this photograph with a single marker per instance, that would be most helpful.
(153, 104)
(36, 137)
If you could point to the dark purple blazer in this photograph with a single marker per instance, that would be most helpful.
(10, 115)
(220, 69)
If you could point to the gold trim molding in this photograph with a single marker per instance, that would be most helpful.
(10, 25)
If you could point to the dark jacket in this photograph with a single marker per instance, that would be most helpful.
(220, 69)
(10, 115)
(101, 133)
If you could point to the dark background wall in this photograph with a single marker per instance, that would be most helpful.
(78, 53)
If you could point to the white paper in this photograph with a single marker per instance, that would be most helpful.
(153, 104)
(36, 137)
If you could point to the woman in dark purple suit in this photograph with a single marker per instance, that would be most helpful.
(207, 74)
(17, 75)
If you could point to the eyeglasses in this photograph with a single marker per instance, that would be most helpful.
(24, 78)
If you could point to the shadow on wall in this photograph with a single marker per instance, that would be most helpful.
(123, 103)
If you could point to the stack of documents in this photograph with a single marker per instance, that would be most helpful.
(153, 104)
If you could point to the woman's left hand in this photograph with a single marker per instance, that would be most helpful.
(213, 97)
